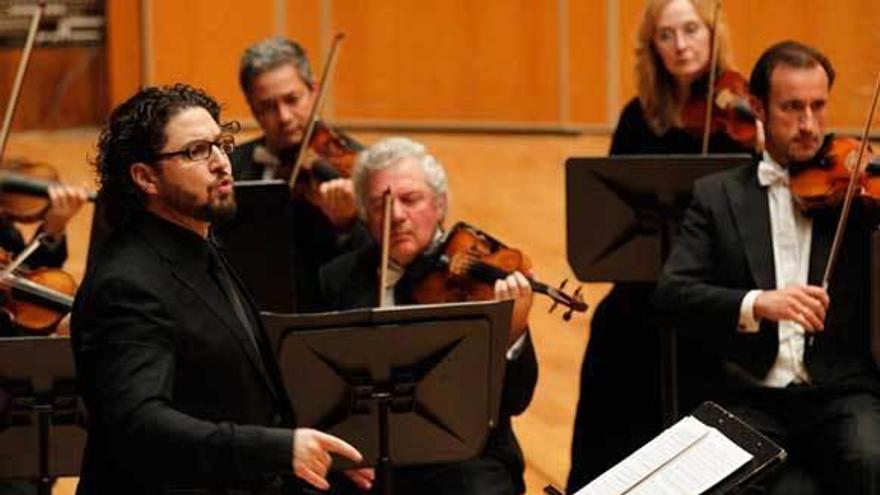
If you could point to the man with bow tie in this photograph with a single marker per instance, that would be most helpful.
(745, 278)
(277, 81)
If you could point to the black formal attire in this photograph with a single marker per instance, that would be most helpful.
(619, 408)
(176, 371)
(830, 425)
(351, 282)
(316, 240)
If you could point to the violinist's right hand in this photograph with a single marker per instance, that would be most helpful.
(311, 455)
(65, 202)
(802, 304)
(336, 199)
(517, 287)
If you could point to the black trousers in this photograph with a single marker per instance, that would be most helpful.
(832, 437)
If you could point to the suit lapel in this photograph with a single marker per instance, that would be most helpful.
(181, 249)
(820, 247)
(751, 213)
(200, 284)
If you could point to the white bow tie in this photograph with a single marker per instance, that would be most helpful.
(770, 174)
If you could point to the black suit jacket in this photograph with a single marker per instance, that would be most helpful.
(725, 250)
(177, 393)
(350, 282)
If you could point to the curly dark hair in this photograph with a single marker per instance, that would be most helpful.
(135, 132)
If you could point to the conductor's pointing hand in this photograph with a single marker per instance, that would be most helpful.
(311, 455)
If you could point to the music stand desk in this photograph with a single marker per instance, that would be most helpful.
(409, 385)
(622, 215)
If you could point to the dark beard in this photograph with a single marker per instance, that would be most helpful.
(217, 211)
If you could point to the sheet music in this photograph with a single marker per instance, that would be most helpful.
(686, 459)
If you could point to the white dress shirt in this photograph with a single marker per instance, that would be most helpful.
(791, 236)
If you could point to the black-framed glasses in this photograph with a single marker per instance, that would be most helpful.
(201, 150)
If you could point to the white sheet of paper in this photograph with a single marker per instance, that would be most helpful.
(686, 459)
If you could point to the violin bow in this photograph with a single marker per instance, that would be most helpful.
(710, 90)
(856, 172)
(19, 76)
(22, 256)
(387, 207)
(329, 64)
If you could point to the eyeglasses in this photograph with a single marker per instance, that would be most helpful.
(202, 150)
(689, 31)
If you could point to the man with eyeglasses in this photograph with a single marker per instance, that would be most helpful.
(177, 374)
(277, 81)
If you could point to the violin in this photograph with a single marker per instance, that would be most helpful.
(730, 113)
(25, 190)
(466, 264)
(332, 154)
(35, 301)
(821, 183)
(723, 107)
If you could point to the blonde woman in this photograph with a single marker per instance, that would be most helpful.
(619, 407)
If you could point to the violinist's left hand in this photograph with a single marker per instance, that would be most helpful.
(65, 201)
(336, 199)
(516, 286)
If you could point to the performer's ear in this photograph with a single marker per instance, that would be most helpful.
(144, 177)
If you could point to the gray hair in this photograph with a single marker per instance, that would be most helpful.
(388, 153)
(270, 54)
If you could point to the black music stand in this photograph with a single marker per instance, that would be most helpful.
(44, 439)
(406, 386)
(622, 214)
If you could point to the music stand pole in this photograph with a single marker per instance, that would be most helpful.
(44, 416)
(383, 467)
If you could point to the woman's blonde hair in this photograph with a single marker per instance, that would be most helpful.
(657, 88)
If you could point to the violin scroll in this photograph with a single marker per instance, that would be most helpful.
(574, 301)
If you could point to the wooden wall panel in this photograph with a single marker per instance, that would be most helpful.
(63, 86)
(303, 24)
(200, 42)
(448, 60)
(587, 60)
(124, 61)
(454, 60)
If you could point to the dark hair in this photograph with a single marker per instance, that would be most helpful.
(135, 133)
(792, 54)
(270, 54)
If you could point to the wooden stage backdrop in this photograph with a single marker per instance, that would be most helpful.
(512, 187)
(533, 64)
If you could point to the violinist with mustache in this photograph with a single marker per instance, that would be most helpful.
(745, 278)
(277, 81)
(418, 185)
